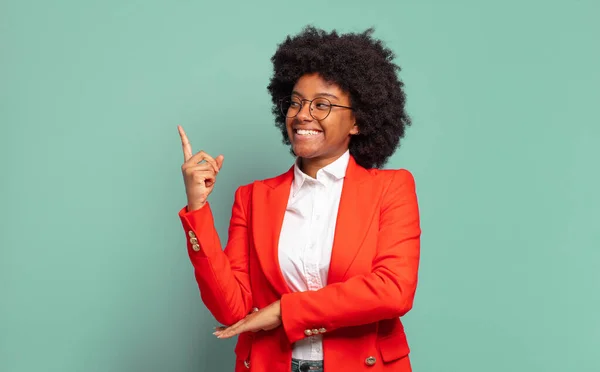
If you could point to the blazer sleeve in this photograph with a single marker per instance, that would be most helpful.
(222, 276)
(387, 292)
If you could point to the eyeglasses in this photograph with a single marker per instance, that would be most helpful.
(319, 108)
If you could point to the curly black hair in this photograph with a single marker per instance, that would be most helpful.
(361, 66)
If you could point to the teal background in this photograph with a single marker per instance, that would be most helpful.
(94, 275)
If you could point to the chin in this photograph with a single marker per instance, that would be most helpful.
(305, 152)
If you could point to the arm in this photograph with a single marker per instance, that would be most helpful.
(387, 292)
(222, 276)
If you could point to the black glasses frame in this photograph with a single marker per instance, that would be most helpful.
(310, 108)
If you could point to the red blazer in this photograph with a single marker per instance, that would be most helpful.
(371, 282)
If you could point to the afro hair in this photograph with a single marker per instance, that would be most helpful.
(361, 66)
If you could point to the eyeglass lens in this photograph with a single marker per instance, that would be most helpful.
(319, 107)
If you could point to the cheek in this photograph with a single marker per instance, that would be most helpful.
(289, 122)
(346, 127)
(333, 129)
(288, 126)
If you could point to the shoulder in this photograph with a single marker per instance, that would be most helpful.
(272, 182)
(395, 187)
(398, 196)
(380, 178)
(392, 177)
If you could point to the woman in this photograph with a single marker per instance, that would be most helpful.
(322, 260)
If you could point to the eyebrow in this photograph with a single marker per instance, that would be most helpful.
(318, 94)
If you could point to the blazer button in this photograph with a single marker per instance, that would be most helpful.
(196, 247)
(191, 234)
(315, 331)
(370, 361)
(322, 330)
(193, 240)
(308, 332)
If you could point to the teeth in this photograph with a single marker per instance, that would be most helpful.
(305, 132)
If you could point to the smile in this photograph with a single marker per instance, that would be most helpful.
(307, 132)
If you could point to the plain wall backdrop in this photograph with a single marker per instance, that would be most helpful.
(94, 273)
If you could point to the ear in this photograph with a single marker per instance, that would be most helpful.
(354, 130)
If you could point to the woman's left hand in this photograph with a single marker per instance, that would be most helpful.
(264, 319)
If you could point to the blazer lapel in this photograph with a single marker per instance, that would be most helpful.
(355, 213)
(269, 200)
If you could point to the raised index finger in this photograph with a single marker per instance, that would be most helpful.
(185, 144)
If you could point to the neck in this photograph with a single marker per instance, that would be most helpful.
(311, 166)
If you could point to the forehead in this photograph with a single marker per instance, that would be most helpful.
(314, 84)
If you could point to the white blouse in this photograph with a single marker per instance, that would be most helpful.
(306, 237)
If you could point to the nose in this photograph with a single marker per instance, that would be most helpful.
(304, 114)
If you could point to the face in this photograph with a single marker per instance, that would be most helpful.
(324, 139)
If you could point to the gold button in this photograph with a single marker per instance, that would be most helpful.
(322, 330)
(246, 364)
(370, 361)
(196, 247)
(254, 309)
(191, 234)
(315, 331)
(193, 240)
(308, 332)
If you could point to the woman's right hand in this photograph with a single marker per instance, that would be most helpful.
(199, 173)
